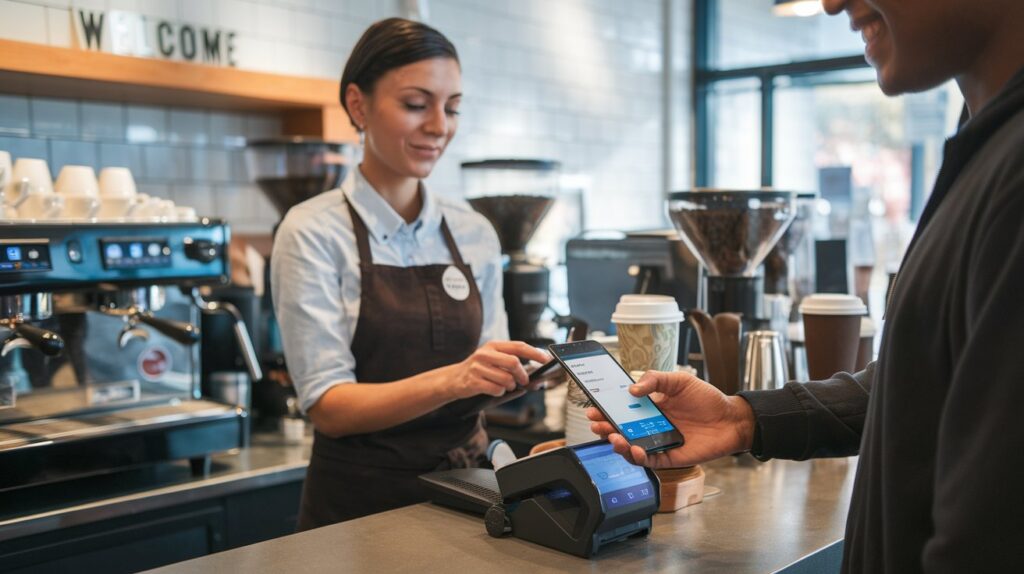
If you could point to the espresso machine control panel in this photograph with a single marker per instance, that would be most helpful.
(23, 256)
(69, 257)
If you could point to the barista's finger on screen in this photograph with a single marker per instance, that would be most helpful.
(522, 350)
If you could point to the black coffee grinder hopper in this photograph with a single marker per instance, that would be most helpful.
(574, 499)
(731, 232)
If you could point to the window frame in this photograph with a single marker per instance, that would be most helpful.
(705, 77)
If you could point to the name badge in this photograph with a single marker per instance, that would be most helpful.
(455, 283)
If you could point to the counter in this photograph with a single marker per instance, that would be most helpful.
(781, 515)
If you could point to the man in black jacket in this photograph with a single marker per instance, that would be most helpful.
(938, 420)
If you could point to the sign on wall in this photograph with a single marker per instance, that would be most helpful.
(131, 34)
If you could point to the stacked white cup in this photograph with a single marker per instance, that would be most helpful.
(119, 197)
(7, 210)
(30, 190)
(78, 186)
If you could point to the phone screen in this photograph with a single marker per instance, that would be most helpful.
(608, 384)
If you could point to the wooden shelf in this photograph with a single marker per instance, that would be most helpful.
(309, 106)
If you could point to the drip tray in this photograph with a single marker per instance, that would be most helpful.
(82, 427)
(47, 450)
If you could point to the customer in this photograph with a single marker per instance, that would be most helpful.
(389, 295)
(938, 419)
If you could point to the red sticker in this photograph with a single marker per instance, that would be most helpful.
(154, 362)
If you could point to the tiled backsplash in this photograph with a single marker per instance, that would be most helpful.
(579, 81)
(194, 157)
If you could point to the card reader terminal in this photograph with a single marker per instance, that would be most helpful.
(574, 499)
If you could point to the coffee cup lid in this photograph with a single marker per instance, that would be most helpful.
(832, 304)
(646, 309)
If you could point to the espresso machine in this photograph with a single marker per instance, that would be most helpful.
(731, 232)
(515, 195)
(99, 361)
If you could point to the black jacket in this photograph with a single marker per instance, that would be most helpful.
(938, 420)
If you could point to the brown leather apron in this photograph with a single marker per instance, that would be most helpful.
(407, 324)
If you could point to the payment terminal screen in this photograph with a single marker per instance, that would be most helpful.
(619, 482)
(609, 385)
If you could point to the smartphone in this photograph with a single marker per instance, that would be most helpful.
(547, 368)
(607, 384)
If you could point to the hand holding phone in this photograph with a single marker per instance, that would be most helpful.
(607, 384)
(715, 424)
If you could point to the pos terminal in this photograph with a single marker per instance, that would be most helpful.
(574, 499)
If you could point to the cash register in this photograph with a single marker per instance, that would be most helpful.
(574, 499)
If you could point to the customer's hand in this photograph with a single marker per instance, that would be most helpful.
(713, 424)
(494, 369)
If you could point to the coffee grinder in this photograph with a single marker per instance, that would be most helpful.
(789, 267)
(288, 170)
(731, 232)
(515, 195)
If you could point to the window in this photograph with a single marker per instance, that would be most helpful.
(791, 103)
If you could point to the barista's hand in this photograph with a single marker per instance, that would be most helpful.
(493, 369)
(713, 424)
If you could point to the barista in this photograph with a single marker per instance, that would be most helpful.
(389, 296)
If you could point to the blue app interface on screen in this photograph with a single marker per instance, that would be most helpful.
(609, 385)
(619, 482)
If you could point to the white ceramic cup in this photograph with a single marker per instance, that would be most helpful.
(155, 209)
(5, 170)
(117, 182)
(185, 213)
(40, 206)
(77, 180)
(79, 207)
(29, 176)
(117, 207)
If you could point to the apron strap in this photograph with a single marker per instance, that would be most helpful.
(450, 241)
(362, 236)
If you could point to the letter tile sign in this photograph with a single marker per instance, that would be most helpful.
(131, 34)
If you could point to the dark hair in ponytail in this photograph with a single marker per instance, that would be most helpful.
(387, 45)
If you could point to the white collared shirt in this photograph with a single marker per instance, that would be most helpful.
(315, 279)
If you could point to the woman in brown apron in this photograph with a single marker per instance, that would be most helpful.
(419, 374)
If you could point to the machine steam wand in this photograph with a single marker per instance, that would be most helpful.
(248, 352)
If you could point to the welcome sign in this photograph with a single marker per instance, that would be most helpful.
(131, 34)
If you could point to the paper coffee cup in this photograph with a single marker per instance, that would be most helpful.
(648, 330)
(831, 333)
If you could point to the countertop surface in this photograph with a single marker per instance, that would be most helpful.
(767, 517)
(267, 462)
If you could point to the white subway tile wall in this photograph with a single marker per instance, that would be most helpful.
(579, 81)
(188, 155)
